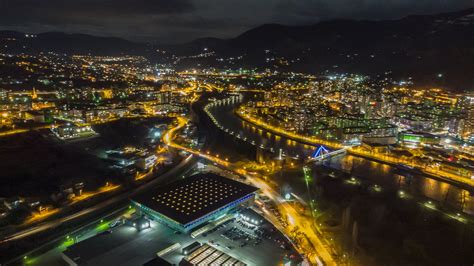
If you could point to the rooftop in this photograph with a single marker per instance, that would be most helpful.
(87, 250)
(207, 255)
(158, 261)
(189, 199)
(127, 246)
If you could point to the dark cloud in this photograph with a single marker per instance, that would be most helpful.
(184, 20)
(311, 10)
(83, 11)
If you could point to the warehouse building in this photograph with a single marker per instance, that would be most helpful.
(196, 200)
(207, 255)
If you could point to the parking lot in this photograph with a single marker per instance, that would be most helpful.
(239, 237)
(253, 244)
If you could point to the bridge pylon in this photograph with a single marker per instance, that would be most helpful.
(320, 152)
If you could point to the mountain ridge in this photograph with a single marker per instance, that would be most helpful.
(416, 46)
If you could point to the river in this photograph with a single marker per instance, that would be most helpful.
(386, 176)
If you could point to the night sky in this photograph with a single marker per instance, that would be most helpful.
(172, 21)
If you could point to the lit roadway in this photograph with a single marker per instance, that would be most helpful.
(124, 196)
(168, 140)
(355, 150)
(305, 223)
(317, 253)
(242, 113)
(21, 130)
(186, 164)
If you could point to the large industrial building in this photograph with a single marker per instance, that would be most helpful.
(188, 203)
(207, 255)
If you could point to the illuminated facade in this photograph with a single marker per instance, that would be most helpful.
(188, 203)
(418, 138)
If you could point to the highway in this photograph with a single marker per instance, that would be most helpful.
(320, 252)
(167, 139)
(317, 252)
(185, 165)
(429, 170)
(243, 114)
(21, 130)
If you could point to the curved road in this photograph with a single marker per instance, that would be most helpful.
(183, 166)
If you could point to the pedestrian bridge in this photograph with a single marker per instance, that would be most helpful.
(322, 153)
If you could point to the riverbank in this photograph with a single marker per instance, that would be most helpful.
(289, 135)
(460, 181)
(465, 184)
